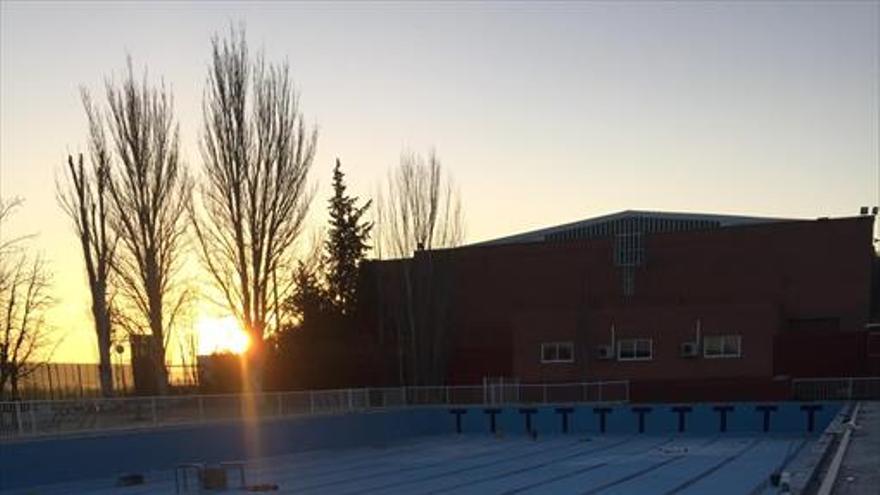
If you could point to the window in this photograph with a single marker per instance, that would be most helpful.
(722, 346)
(557, 352)
(635, 349)
(628, 249)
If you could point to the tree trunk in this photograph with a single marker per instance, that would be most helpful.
(3, 379)
(13, 383)
(255, 359)
(158, 352)
(102, 324)
(161, 371)
(154, 298)
(411, 323)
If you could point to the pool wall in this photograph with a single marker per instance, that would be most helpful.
(703, 419)
(53, 460)
(44, 461)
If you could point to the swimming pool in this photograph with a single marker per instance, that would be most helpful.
(722, 448)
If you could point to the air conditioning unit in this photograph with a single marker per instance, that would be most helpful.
(604, 352)
(689, 349)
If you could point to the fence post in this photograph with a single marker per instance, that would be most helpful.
(201, 409)
(51, 388)
(280, 404)
(447, 394)
(849, 392)
(79, 380)
(153, 410)
(404, 395)
(599, 393)
(18, 417)
(311, 401)
(350, 400)
(544, 394)
(33, 418)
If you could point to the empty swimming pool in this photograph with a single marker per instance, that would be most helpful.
(729, 448)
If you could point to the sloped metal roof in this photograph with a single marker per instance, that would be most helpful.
(696, 220)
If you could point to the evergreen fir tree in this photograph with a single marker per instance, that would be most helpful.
(346, 245)
(309, 301)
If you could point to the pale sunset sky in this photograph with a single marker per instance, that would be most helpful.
(544, 112)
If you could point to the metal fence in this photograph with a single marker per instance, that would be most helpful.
(80, 380)
(42, 417)
(851, 388)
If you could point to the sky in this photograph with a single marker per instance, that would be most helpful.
(543, 112)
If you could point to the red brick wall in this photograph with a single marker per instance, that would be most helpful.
(749, 280)
(827, 354)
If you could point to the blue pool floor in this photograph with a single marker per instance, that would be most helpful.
(569, 464)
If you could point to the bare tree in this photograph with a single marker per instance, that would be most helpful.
(84, 196)
(8, 247)
(149, 189)
(419, 211)
(419, 208)
(256, 155)
(24, 300)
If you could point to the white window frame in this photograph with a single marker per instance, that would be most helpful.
(558, 345)
(635, 343)
(722, 339)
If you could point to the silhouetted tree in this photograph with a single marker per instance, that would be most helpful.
(24, 301)
(314, 346)
(8, 247)
(298, 354)
(310, 303)
(149, 189)
(256, 155)
(84, 196)
(346, 245)
(419, 210)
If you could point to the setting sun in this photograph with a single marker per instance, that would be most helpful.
(221, 335)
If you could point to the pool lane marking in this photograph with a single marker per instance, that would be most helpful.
(532, 450)
(360, 460)
(688, 483)
(352, 456)
(589, 468)
(368, 465)
(350, 460)
(792, 454)
(555, 478)
(633, 475)
(433, 464)
(316, 457)
(542, 464)
(507, 459)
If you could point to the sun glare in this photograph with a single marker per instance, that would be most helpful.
(221, 335)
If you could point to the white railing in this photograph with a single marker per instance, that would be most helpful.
(849, 388)
(39, 418)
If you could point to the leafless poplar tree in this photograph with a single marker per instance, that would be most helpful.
(149, 189)
(419, 210)
(84, 196)
(7, 246)
(24, 300)
(256, 154)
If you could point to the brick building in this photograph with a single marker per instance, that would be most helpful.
(663, 298)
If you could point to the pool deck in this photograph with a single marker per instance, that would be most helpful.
(859, 473)
(482, 464)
